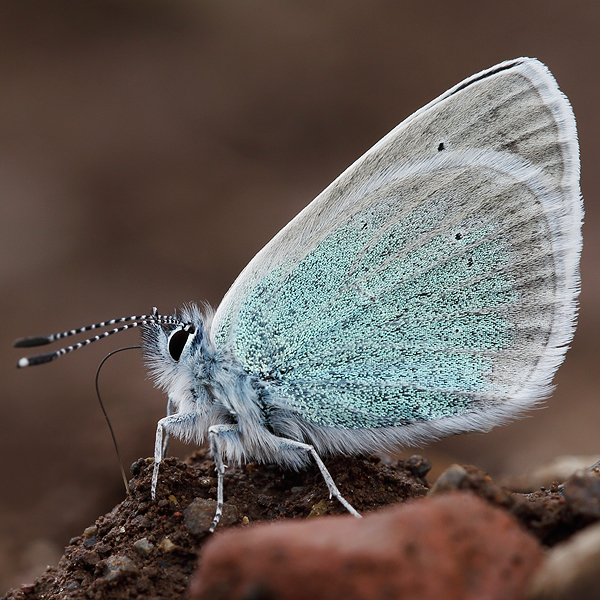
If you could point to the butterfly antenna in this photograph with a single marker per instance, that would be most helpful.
(112, 433)
(42, 340)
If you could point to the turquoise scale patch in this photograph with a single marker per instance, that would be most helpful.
(380, 326)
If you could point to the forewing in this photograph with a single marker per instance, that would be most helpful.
(436, 278)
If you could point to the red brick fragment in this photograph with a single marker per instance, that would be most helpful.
(453, 546)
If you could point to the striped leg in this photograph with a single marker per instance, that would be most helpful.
(215, 447)
(333, 489)
(216, 432)
(167, 436)
(180, 425)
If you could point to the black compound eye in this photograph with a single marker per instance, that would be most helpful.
(178, 340)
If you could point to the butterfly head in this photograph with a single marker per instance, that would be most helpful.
(174, 348)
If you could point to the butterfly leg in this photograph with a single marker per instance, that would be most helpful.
(167, 435)
(180, 425)
(217, 433)
(215, 448)
(333, 489)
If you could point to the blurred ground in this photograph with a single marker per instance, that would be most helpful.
(148, 549)
(149, 149)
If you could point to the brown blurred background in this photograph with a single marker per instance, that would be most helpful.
(148, 149)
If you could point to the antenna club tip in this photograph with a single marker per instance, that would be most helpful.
(32, 341)
(24, 362)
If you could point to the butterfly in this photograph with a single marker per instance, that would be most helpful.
(429, 290)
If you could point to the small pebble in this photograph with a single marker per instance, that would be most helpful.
(418, 465)
(319, 509)
(143, 547)
(582, 492)
(450, 479)
(89, 532)
(87, 557)
(166, 546)
(571, 569)
(199, 515)
(118, 567)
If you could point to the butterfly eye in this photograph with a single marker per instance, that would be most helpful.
(178, 340)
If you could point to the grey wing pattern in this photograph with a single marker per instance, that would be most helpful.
(432, 287)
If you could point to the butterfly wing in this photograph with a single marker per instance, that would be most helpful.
(432, 287)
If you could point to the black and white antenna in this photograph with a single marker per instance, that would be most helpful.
(42, 340)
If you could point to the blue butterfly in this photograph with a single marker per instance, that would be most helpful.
(429, 290)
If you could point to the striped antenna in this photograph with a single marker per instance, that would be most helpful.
(41, 340)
